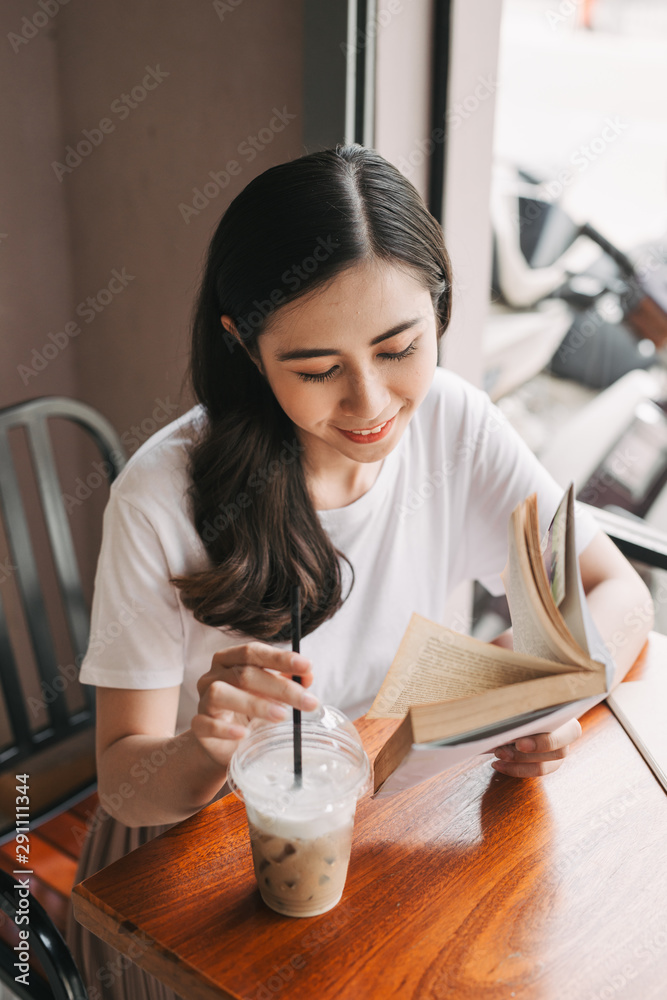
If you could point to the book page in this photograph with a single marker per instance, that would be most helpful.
(538, 626)
(557, 627)
(528, 632)
(469, 671)
(434, 663)
(571, 605)
(574, 606)
(553, 552)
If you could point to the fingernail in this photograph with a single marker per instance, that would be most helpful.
(309, 702)
(299, 662)
(277, 713)
(525, 744)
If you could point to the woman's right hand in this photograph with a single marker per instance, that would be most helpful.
(251, 681)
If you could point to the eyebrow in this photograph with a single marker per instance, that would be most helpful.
(322, 352)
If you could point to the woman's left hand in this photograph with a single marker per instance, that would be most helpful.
(532, 756)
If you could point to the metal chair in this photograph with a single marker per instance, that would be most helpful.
(59, 725)
(56, 721)
(45, 944)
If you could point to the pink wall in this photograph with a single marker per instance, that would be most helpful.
(215, 82)
(35, 276)
(199, 84)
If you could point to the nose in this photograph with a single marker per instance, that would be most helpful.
(365, 397)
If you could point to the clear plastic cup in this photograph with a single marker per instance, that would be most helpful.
(301, 834)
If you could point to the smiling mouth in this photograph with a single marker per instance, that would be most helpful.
(372, 430)
(372, 434)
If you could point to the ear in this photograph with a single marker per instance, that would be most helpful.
(233, 339)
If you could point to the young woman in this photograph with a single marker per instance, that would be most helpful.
(328, 449)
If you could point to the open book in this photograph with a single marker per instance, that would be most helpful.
(639, 707)
(459, 696)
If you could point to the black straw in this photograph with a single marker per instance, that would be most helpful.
(296, 713)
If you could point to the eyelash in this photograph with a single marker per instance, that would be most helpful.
(332, 371)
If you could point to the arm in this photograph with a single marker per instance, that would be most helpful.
(622, 609)
(146, 774)
(149, 776)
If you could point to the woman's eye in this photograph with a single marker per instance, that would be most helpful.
(332, 371)
(402, 354)
(318, 378)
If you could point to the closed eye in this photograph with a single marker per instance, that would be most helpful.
(410, 349)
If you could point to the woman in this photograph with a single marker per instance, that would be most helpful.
(322, 417)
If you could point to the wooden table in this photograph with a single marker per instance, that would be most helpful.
(473, 886)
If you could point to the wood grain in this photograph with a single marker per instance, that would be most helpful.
(473, 885)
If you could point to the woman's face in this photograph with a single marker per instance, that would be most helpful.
(357, 355)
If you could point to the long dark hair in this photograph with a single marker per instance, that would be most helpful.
(293, 228)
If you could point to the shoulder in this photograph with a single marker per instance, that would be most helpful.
(158, 472)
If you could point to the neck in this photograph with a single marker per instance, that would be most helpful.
(334, 480)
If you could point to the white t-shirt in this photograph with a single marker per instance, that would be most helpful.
(436, 515)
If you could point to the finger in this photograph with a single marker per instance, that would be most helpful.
(267, 703)
(260, 654)
(509, 753)
(275, 687)
(231, 675)
(546, 742)
(224, 728)
(218, 737)
(523, 770)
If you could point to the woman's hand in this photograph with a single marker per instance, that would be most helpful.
(247, 682)
(532, 756)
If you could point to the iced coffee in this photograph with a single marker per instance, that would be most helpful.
(301, 831)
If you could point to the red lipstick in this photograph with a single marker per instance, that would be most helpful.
(369, 438)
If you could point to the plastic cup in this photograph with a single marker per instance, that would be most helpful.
(301, 834)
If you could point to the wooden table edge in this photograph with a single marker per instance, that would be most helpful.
(189, 982)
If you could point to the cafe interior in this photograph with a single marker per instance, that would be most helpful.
(536, 133)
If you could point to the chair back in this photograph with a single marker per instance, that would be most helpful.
(61, 721)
